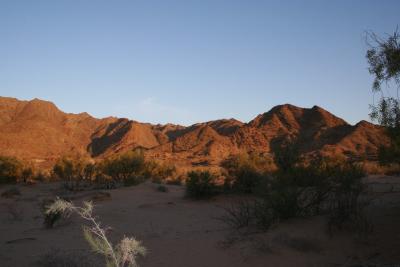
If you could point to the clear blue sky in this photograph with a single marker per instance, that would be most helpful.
(189, 61)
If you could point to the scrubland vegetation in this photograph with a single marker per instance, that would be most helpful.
(296, 188)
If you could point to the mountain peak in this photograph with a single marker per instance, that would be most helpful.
(37, 129)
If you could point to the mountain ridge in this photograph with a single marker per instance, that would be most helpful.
(38, 131)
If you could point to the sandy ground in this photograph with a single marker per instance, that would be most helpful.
(184, 233)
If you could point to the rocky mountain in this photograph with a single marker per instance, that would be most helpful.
(38, 131)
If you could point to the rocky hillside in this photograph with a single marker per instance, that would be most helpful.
(38, 131)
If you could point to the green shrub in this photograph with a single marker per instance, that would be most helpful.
(127, 168)
(162, 188)
(246, 172)
(158, 172)
(10, 169)
(75, 173)
(201, 184)
(320, 187)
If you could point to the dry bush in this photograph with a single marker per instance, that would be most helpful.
(123, 254)
(298, 190)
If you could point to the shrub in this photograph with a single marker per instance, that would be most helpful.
(158, 172)
(201, 184)
(162, 188)
(125, 253)
(323, 186)
(55, 214)
(127, 168)
(174, 181)
(246, 172)
(10, 169)
(27, 174)
(73, 172)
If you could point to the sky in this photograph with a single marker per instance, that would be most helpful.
(191, 61)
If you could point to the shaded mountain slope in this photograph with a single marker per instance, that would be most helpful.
(38, 131)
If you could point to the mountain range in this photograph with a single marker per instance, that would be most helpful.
(39, 132)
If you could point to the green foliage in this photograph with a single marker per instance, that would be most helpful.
(27, 174)
(246, 172)
(158, 172)
(10, 169)
(162, 188)
(127, 168)
(287, 156)
(320, 187)
(73, 172)
(384, 64)
(201, 184)
(384, 59)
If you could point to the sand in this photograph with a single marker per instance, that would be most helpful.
(185, 233)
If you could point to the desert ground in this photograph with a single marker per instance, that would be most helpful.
(187, 233)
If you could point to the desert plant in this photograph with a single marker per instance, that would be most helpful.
(73, 172)
(127, 168)
(158, 172)
(27, 174)
(321, 187)
(174, 181)
(123, 254)
(10, 169)
(239, 215)
(201, 184)
(246, 172)
(162, 188)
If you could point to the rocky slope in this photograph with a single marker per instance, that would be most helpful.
(38, 131)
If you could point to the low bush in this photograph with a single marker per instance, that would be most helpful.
(175, 181)
(10, 169)
(127, 168)
(162, 188)
(53, 214)
(75, 173)
(158, 172)
(245, 172)
(320, 187)
(201, 184)
(125, 253)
